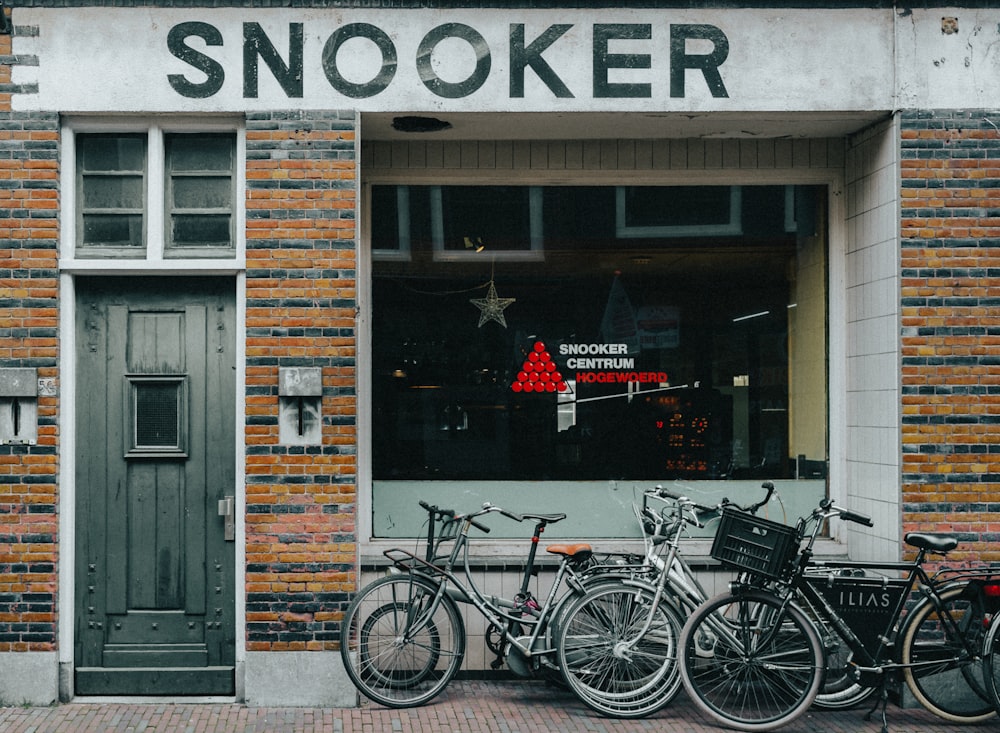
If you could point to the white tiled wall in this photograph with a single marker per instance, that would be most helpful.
(872, 315)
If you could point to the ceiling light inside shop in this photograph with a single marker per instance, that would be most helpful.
(752, 315)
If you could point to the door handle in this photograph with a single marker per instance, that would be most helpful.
(227, 510)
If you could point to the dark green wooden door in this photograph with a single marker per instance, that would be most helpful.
(155, 457)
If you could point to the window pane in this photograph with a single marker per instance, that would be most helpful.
(202, 193)
(112, 152)
(200, 198)
(495, 217)
(201, 152)
(110, 192)
(112, 231)
(673, 206)
(156, 415)
(107, 192)
(652, 358)
(200, 230)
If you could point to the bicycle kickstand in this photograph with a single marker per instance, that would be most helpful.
(883, 700)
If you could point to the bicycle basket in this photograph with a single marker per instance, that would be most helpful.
(757, 545)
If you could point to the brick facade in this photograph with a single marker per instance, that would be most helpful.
(301, 265)
(950, 306)
(29, 327)
(301, 539)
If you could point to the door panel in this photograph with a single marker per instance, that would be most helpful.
(155, 610)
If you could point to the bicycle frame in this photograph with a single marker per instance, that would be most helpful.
(886, 599)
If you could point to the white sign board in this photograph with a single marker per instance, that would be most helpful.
(93, 59)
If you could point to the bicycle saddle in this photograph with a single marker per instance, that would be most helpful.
(545, 517)
(576, 553)
(931, 542)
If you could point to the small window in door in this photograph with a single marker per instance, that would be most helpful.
(157, 416)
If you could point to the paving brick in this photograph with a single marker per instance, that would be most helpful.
(501, 706)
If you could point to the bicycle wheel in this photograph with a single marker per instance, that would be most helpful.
(751, 662)
(942, 676)
(991, 661)
(608, 662)
(399, 645)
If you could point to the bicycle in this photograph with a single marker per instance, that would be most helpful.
(617, 644)
(753, 658)
(991, 657)
(402, 638)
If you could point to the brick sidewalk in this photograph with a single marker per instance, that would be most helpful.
(505, 706)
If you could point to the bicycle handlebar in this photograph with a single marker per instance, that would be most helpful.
(828, 508)
(450, 514)
(704, 508)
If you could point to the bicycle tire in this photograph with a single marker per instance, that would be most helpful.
(393, 651)
(954, 691)
(991, 661)
(604, 661)
(834, 697)
(751, 662)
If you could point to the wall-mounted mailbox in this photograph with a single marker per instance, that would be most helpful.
(18, 406)
(300, 398)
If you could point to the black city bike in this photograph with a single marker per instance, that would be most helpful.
(755, 658)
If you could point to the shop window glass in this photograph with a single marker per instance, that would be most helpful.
(693, 351)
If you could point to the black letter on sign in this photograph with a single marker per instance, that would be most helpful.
(256, 43)
(709, 64)
(604, 60)
(386, 72)
(521, 56)
(211, 68)
(458, 89)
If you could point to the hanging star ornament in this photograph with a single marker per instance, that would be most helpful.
(491, 307)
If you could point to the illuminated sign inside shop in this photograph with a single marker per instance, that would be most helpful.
(590, 363)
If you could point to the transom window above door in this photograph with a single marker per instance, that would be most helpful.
(152, 195)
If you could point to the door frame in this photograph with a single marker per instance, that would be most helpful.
(66, 603)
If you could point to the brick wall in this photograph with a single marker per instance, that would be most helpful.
(301, 264)
(29, 199)
(950, 306)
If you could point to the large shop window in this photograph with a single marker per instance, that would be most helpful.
(559, 348)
